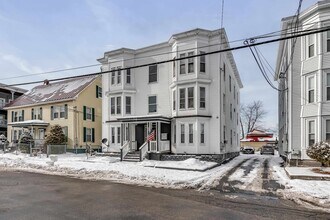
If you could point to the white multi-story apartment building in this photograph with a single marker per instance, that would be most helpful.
(304, 99)
(191, 104)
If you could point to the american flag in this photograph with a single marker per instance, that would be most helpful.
(151, 136)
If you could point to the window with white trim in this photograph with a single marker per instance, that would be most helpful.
(311, 89)
(89, 135)
(202, 63)
(182, 98)
(182, 133)
(190, 97)
(182, 64)
(174, 99)
(191, 62)
(118, 105)
(118, 135)
(202, 133)
(174, 67)
(152, 73)
(112, 135)
(191, 133)
(128, 104)
(311, 132)
(119, 75)
(89, 113)
(202, 97)
(311, 45)
(328, 86)
(113, 105)
(327, 129)
(113, 76)
(128, 76)
(152, 104)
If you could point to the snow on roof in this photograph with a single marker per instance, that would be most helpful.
(59, 91)
(28, 123)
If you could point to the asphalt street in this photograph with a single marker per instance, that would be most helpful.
(36, 196)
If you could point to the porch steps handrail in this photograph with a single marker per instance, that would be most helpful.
(143, 150)
(124, 150)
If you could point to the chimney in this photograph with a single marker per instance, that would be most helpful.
(46, 82)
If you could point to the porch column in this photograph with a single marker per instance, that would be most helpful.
(158, 135)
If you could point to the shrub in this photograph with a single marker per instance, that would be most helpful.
(24, 142)
(320, 152)
(55, 136)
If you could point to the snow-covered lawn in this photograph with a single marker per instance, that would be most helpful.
(108, 168)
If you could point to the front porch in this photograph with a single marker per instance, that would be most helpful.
(135, 132)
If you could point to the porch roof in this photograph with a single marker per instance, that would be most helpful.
(142, 118)
(29, 123)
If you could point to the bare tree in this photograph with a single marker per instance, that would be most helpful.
(251, 116)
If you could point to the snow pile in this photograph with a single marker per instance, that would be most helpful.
(109, 168)
(189, 164)
(307, 192)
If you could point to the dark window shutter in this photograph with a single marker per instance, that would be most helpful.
(22, 115)
(32, 113)
(84, 134)
(93, 135)
(12, 116)
(93, 114)
(40, 113)
(66, 111)
(84, 112)
(97, 91)
(52, 112)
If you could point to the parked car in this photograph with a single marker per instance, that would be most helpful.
(248, 150)
(267, 149)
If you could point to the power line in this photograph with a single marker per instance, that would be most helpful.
(319, 30)
(268, 35)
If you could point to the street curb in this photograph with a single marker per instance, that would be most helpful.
(304, 177)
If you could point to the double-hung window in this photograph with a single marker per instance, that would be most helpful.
(202, 133)
(174, 100)
(202, 97)
(113, 76)
(191, 133)
(119, 75)
(128, 76)
(174, 67)
(327, 130)
(112, 135)
(311, 89)
(152, 102)
(113, 105)
(152, 73)
(191, 62)
(182, 64)
(128, 104)
(183, 98)
(89, 135)
(202, 62)
(191, 97)
(118, 105)
(328, 41)
(311, 133)
(98, 92)
(88, 113)
(311, 45)
(62, 111)
(118, 135)
(328, 86)
(182, 133)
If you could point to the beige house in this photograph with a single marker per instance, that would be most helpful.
(75, 105)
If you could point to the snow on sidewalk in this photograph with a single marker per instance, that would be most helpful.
(109, 168)
(307, 192)
(189, 164)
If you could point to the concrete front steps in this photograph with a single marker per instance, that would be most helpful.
(132, 157)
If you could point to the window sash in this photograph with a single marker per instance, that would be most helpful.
(190, 63)
(113, 105)
(113, 76)
(202, 62)
(182, 98)
(182, 64)
(191, 97)
(99, 92)
(119, 105)
(88, 113)
(118, 135)
(128, 76)
(113, 135)
(182, 134)
(174, 99)
(191, 133)
(119, 76)
(128, 105)
(311, 133)
(88, 134)
(152, 104)
(202, 134)
(201, 97)
(152, 73)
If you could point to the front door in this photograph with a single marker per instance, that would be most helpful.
(140, 133)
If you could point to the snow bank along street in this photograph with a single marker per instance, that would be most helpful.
(257, 173)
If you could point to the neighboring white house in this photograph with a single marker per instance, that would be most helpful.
(191, 104)
(304, 102)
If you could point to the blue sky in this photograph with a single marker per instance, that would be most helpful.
(39, 35)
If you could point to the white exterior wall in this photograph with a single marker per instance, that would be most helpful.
(212, 116)
(297, 111)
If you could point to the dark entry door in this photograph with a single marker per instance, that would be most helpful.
(139, 135)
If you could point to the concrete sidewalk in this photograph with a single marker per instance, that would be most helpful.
(306, 173)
